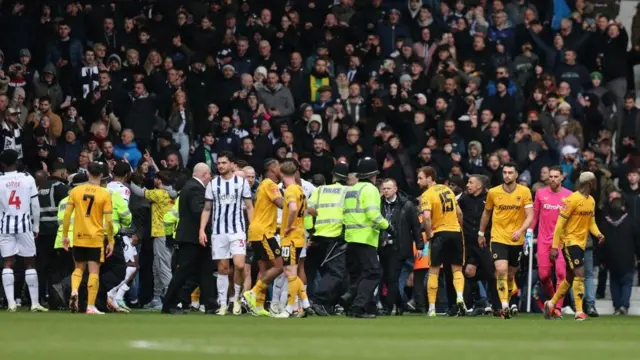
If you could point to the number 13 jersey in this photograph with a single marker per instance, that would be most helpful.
(442, 203)
(16, 191)
(91, 203)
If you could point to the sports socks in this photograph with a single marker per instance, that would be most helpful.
(7, 284)
(578, 292)
(236, 292)
(277, 290)
(76, 280)
(432, 290)
(122, 288)
(296, 290)
(562, 291)
(503, 290)
(458, 283)
(292, 291)
(31, 278)
(260, 291)
(223, 288)
(92, 289)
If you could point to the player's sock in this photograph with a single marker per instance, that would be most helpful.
(31, 278)
(121, 291)
(7, 284)
(260, 291)
(114, 292)
(578, 292)
(259, 288)
(76, 280)
(276, 291)
(302, 294)
(562, 291)
(284, 291)
(458, 283)
(92, 289)
(291, 294)
(223, 289)
(503, 290)
(511, 285)
(236, 292)
(432, 289)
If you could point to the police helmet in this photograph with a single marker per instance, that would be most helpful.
(367, 168)
(341, 170)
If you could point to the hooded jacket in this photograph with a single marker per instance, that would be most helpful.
(622, 243)
(42, 88)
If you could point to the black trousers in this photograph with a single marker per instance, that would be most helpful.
(419, 290)
(45, 257)
(391, 262)
(365, 273)
(485, 271)
(327, 256)
(192, 265)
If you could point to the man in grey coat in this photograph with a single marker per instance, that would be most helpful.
(277, 98)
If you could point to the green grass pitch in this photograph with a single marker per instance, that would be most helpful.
(143, 336)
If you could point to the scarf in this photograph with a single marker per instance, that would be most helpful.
(88, 79)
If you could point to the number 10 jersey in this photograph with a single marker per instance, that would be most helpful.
(442, 204)
(16, 191)
(91, 203)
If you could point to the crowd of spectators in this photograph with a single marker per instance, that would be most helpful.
(462, 86)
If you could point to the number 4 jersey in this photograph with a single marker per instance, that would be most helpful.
(16, 191)
(442, 203)
(91, 203)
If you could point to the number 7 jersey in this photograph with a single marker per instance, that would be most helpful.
(91, 203)
(442, 204)
(16, 191)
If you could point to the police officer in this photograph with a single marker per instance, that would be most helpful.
(362, 223)
(327, 250)
(50, 194)
(478, 263)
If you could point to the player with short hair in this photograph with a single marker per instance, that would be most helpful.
(93, 205)
(261, 234)
(442, 219)
(546, 206)
(576, 221)
(292, 238)
(19, 227)
(120, 195)
(227, 196)
(511, 207)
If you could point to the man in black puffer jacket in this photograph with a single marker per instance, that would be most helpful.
(400, 211)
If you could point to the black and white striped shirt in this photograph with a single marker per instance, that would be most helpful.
(16, 191)
(227, 212)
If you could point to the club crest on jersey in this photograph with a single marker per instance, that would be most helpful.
(517, 198)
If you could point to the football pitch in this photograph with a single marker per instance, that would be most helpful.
(194, 336)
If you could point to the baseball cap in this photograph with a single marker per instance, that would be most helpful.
(569, 150)
(25, 53)
(14, 111)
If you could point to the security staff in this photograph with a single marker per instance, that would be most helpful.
(478, 263)
(50, 194)
(326, 251)
(362, 223)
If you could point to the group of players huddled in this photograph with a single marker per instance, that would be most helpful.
(238, 217)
